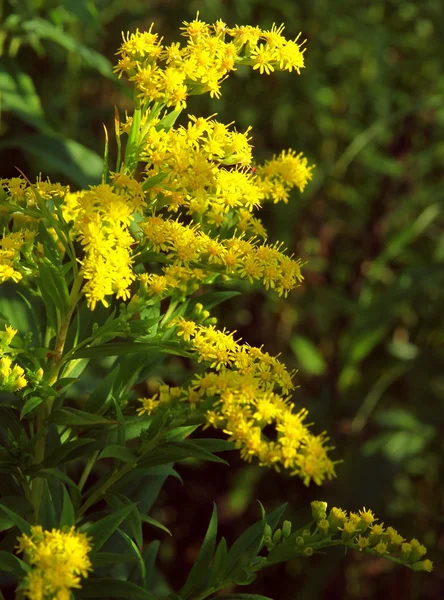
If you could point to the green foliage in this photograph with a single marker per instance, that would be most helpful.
(365, 330)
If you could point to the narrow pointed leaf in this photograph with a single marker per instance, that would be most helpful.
(198, 575)
(103, 529)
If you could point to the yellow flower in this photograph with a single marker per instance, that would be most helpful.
(58, 560)
(263, 57)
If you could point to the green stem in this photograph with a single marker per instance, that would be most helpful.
(87, 470)
(101, 490)
(46, 407)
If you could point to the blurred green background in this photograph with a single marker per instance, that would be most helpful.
(366, 329)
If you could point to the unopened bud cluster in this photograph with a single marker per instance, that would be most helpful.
(360, 531)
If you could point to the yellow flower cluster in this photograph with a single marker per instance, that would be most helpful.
(58, 559)
(22, 194)
(12, 245)
(190, 166)
(278, 176)
(102, 216)
(235, 257)
(359, 531)
(12, 377)
(244, 395)
(169, 74)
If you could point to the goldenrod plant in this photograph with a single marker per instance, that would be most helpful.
(125, 274)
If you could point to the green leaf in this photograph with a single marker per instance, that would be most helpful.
(55, 474)
(21, 506)
(12, 564)
(212, 299)
(23, 525)
(219, 565)
(67, 516)
(121, 427)
(18, 94)
(120, 452)
(44, 29)
(29, 405)
(154, 523)
(80, 418)
(308, 355)
(133, 547)
(102, 530)
(121, 348)
(100, 398)
(104, 559)
(149, 555)
(65, 156)
(168, 121)
(107, 587)
(174, 451)
(133, 522)
(9, 421)
(54, 284)
(149, 183)
(70, 451)
(243, 597)
(247, 545)
(132, 145)
(180, 433)
(213, 444)
(105, 171)
(47, 514)
(197, 578)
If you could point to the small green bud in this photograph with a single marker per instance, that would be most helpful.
(268, 542)
(405, 551)
(198, 308)
(268, 532)
(306, 533)
(277, 536)
(308, 551)
(300, 542)
(324, 526)
(286, 529)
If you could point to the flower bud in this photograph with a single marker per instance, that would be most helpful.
(319, 510)
(336, 518)
(405, 551)
(300, 543)
(418, 551)
(268, 542)
(348, 531)
(286, 528)
(198, 308)
(277, 536)
(423, 565)
(308, 551)
(324, 526)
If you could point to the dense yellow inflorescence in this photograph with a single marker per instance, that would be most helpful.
(58, 560)
(248, 392)
(12, 375)
(170, 74)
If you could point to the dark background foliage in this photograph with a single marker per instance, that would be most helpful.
(366, 329)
